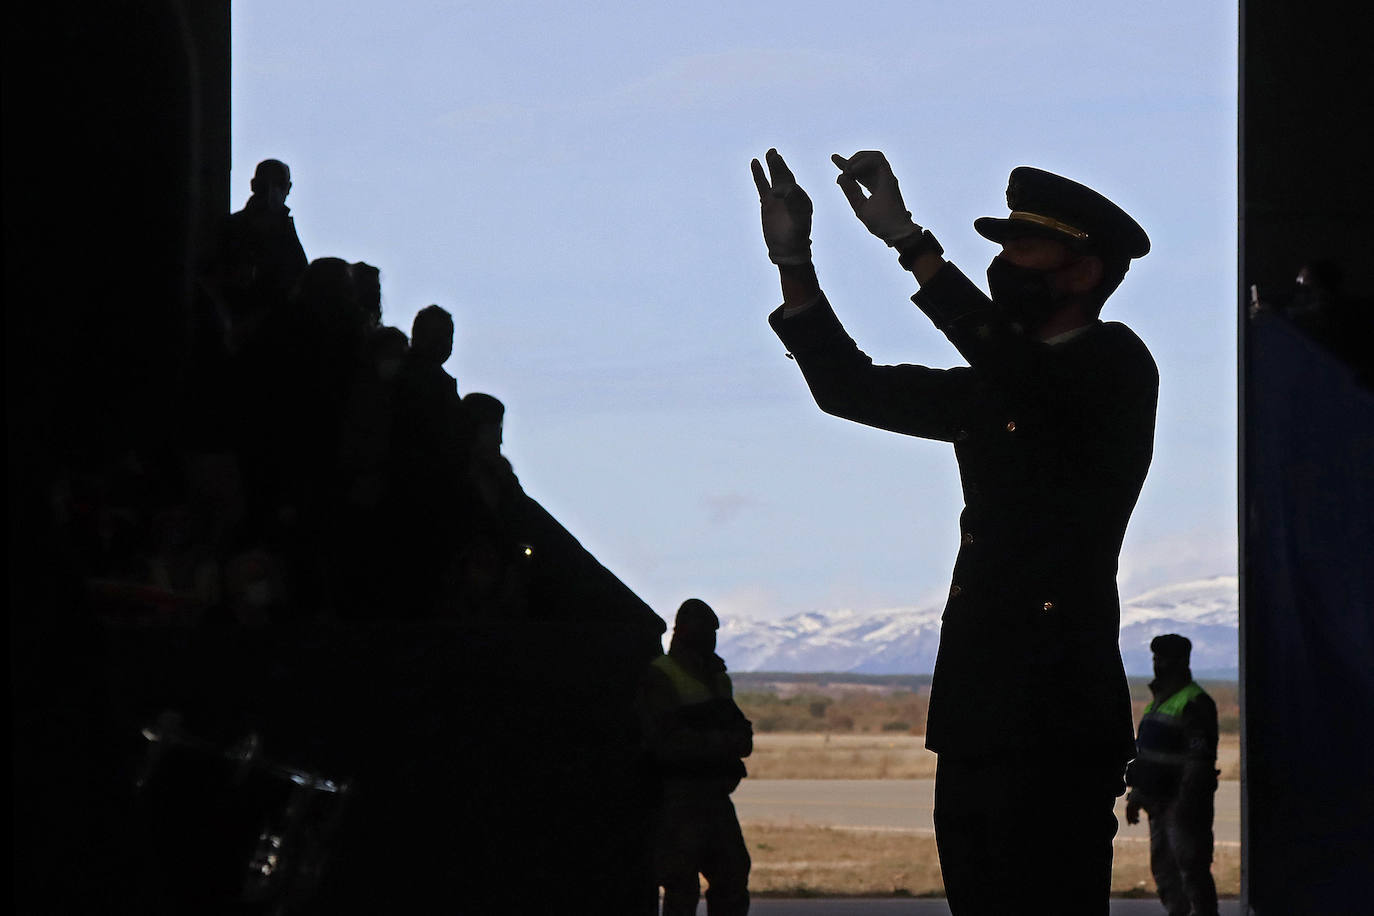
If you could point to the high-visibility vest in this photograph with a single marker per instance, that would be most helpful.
(1161, 745)
(711, 698)
(687, 687)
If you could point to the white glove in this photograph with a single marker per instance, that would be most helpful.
(882, 212)
(786, 212)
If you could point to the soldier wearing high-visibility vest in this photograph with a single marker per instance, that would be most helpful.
(1174, 777)
(696, 738)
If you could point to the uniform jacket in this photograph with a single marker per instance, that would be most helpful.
(1053, 442)
(692, 728)
(265, 242)
(1177, 750)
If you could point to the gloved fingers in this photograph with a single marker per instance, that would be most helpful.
(869, 167)
(798, 204)
(783, 179)
(852, 192)
(760, 179)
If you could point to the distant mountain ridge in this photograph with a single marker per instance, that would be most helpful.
(904, 640)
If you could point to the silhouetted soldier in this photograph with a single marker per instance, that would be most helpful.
(1052, 424)
(367, 282)
(696, 737)
(364, 565)
(428, 388)
(365, 443)
(491, 476)
(261, 257)
(430, 446)
(1174, 777)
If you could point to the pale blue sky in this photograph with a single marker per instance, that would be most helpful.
(572, 183)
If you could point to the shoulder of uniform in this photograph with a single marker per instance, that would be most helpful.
(1124, 349)
(656, 680)
(1203, 698)
(1120, 335)
(657, 669)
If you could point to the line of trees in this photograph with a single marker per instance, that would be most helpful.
(874, 704)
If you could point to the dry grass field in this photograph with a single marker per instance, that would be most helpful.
(794, 861)
(880, 756)
(831, 756)
(842, 727)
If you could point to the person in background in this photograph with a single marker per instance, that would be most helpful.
(259, 256)
(1173, 779)
(696, 739)
(367, 282)
(430, 446)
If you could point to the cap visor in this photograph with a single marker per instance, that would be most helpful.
(1004, 230)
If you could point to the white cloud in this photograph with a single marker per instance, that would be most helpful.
(1177, 557)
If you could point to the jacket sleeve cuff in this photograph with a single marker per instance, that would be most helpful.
(789, 311)
(949, 297)
(807, 328)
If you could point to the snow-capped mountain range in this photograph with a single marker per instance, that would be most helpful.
(904, 640)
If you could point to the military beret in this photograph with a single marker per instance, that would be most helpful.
(1171, 645)
(694, 610)
(1050, 206)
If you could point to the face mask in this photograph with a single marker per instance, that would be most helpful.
(1022, 293)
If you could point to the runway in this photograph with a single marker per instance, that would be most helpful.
(907, 805)
(1119, 907)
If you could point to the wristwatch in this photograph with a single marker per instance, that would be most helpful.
(913, 246)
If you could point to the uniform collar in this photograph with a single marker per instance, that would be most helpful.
(1067, 336)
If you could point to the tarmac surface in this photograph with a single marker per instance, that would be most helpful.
(930, 908)
(908, 805)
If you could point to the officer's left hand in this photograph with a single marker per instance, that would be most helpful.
(882, 211)
(1132, 812)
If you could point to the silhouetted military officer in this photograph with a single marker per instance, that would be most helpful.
(1052, 423)
(696, 737)
(1174, 778)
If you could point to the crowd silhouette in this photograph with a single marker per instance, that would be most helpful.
(327, 467)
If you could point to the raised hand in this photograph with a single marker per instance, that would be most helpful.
(786, 211)
(882, 210)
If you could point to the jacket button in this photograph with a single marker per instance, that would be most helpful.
(961, 435)
(955, 591)
(1011, 426)
(1048, 606)
(966, 539)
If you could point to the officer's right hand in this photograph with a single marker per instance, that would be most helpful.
(882, 210)
(786, 212)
